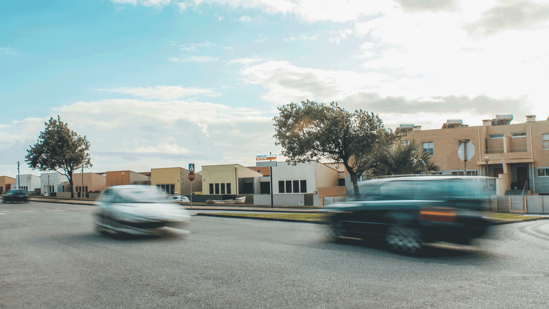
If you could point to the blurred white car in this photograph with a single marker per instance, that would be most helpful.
(139, 210)
(179, 198)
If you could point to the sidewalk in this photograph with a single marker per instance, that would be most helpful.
(200, 207)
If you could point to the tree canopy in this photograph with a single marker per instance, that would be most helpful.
(400, 160)
(311, 131)
(59, 149)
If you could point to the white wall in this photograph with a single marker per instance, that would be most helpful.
(302, 171)
(55, 179)
(326, 176)
(28, 180)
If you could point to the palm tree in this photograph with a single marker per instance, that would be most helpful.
(399, 160)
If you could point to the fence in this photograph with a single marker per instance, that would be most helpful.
(333, 200)
(531, 204)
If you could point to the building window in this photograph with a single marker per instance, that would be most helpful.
(543, 172)
(404, 143)
(341, 182)
(303, 186)
(296, 186)
(496, 136)
(211, 188)
(216, 188)
(228, 188)
(518, 134)
(288, 186)
(545, 141)
(281, 186)
(428, 148)
(222, 188)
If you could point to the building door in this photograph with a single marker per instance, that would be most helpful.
(522, 176)
(265, 187)
(497, 171)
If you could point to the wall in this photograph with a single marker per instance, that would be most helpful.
(218, 174)
(93, 181)
(7, 183)
(302, 171)
(325, 176)
(280, 199)
(167, 176)
(186, 183)
(55, 179)
(30, 181)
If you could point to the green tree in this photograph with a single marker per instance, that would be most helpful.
(59, 149)
(400, 160)
(312, 131)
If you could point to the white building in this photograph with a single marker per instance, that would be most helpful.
(27, 182)
(52, 182)
(302, 184)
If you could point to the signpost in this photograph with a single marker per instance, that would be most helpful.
(191, 178)
(270, 164)
(466, 151)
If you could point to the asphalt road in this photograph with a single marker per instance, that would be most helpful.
(51, 258)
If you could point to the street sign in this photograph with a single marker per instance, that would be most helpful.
(470, 151)
(265, 164)
(191, 176)
(265, 157)
(191, 167)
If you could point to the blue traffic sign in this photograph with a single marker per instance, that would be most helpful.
(191, 167)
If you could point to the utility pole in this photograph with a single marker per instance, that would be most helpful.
(18, 176)
(271, 174)
(82, 187)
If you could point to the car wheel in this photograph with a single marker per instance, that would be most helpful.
(335, 232)
(404, 239)
(98, 225)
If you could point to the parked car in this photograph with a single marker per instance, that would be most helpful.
(179, 198)
(16, 195)
(410, 211)
(138, 210)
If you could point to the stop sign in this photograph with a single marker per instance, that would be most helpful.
(191, 176)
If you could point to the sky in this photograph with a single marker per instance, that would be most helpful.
(164, 83)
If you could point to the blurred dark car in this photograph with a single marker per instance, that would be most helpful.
(411, 211)
(16, 195)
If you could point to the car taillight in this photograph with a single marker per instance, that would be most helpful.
(438, 214)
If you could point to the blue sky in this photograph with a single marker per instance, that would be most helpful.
(157, 83)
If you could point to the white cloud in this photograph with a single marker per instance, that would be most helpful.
(287, 83)
(24, 131)
(191, 47)
(9, 51)
(312, 10)
(245, 19)
(162, 148)
(181, 6)
(150, 3)
(194, 59)
(339, 35)
(162, 92)
(301, 38)
(245, 60)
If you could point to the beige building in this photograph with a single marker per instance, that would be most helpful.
(6, 182)
(518, 154)
(229, 179)
(93, 182)
(175, 180)
(118, 178)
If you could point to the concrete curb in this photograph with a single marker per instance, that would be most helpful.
(517, 221)
(264, 219)
(323, 222)
(229, 208)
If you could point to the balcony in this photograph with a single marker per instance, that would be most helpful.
(518, 149)
(494, 150)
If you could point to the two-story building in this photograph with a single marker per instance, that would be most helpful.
(518, 154)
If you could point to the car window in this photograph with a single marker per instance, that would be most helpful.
(397, 190)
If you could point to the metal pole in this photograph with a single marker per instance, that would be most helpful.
(271, 174)
(82, 187)
(465, 158)
(18, 176)
(49, 189)
(191, 194)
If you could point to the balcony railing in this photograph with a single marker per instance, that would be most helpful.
(518, 149)
(493, 150)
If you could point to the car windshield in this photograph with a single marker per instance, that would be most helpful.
(138, 195)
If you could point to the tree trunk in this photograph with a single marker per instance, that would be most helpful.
(71, 183)
(354, 180)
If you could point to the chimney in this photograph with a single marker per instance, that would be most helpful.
(487, 122)
(530, 118)
(417, 128)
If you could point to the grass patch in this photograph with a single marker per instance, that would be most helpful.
(500, 216)
(283, 216)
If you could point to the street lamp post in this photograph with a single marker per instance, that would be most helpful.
(486, 159)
